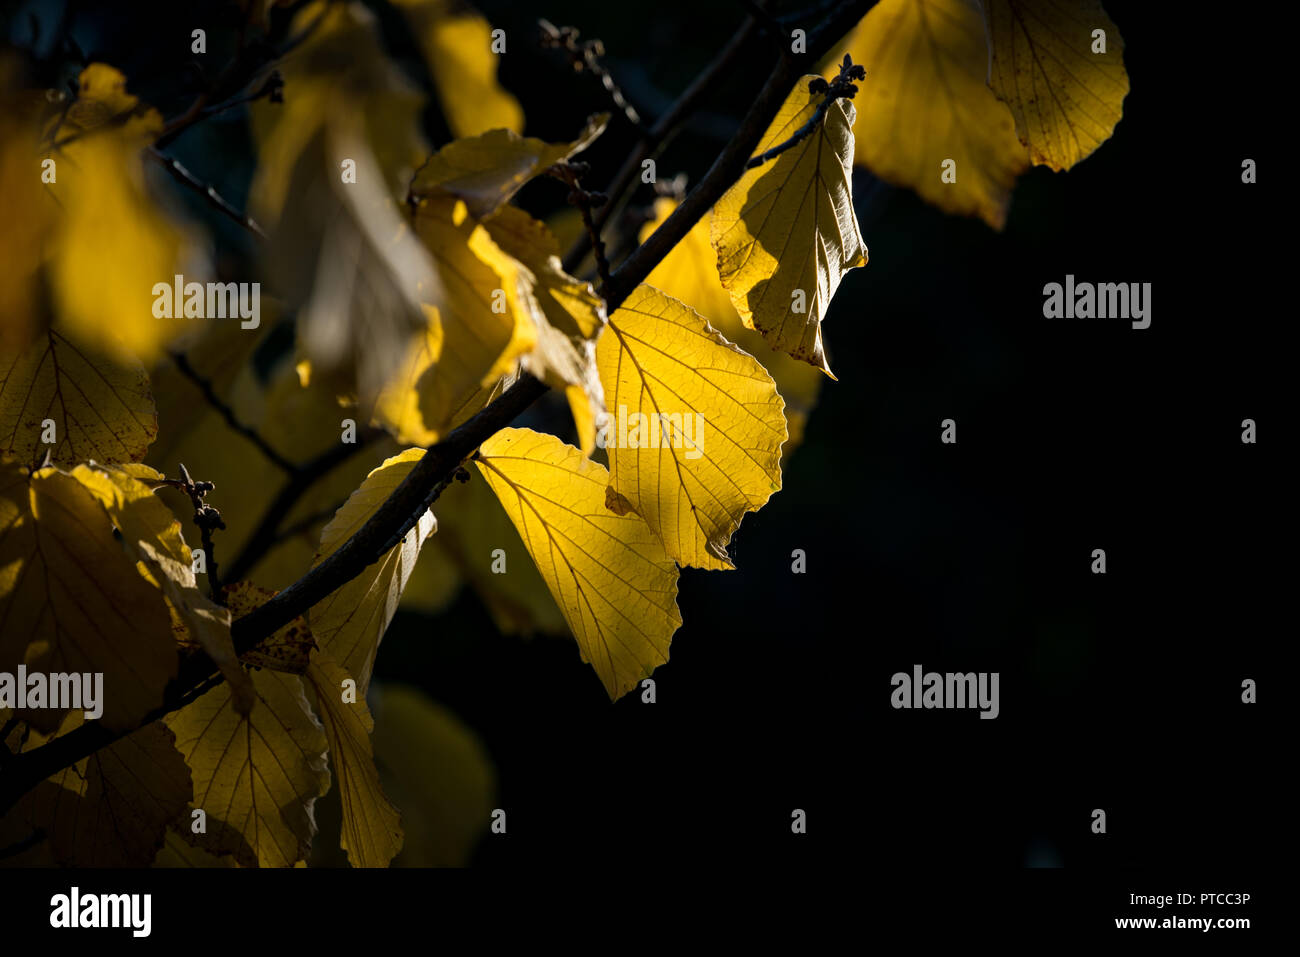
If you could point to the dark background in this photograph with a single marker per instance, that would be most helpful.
(1119, 692)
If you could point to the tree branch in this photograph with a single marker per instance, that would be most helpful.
(409, 501)
(658, 136)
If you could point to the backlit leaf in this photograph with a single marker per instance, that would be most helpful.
(608, 573)
(926, 100)
(786, 233)
(1065, 98)
(486, 170)
(349, 623)
(689, 273)
(257, 775)
(703, 425)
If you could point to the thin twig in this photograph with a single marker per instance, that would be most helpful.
(841, 86)
(585, 56)
(658, 136)
(205, 386)
(571, 173)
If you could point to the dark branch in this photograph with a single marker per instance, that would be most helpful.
(658, 137)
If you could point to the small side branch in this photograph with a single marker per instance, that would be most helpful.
(585, 57)
(209, 193)
(571, 173)
(841, 86)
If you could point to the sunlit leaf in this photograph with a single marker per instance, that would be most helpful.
(785, 233)
(349, 623)
(703, 423)
(1066, 98)
(926, 101)
(689, 273)
(608, 573)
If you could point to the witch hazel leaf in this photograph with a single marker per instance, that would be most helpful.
(610, 576)
(785, 234)
(696, 426)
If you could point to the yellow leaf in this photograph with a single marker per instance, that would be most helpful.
(486, 170)
(372, 828)
(439, 774)
(570, 304)
(100, 408)
(152, 535)
(696, 426)
(288, 649)
(72, 601)
(257, 776)
(1066, 99)
(786, 233)
(608, 573)
(112, 808)
(926, 101)
(480, 335)
(566, 311)
(689, 273)
(473, 532)
(349, 623)
(112, 244)
(458, 48)
(331, 160)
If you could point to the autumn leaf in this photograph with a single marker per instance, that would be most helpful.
(704, 426)
(478, 336)
(477, 539)
(457, 45)
(111, 244)
(608, 573)
(689, 273)
(785, 233)
(349, 623)
(926, 101)
(257, 776)
(1066, 96)
(571, 305)
(100, 407)
(72, 601)
(487, 170)
(372, 829)
(152, 535)
(112, 808)
(332, 159)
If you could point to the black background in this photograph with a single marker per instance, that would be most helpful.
(1120, 691)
